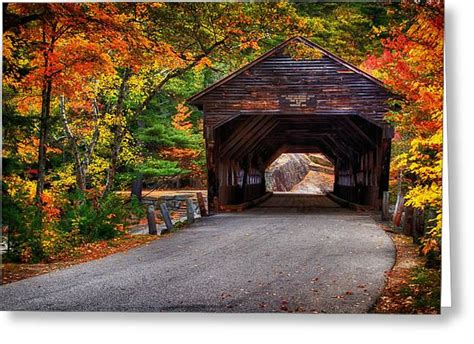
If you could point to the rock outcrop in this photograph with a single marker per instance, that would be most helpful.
(301, 173)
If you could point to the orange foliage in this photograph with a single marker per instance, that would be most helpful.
(185, 157)
(412, 65)
(181, 121)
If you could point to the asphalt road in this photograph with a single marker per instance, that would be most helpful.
(288, 255)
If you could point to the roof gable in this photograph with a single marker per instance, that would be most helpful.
(195, 98)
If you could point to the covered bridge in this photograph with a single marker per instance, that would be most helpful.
(296, 98)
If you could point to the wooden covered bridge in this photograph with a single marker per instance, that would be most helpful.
(296, 98)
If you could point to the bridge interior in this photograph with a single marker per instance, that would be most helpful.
(245, 146)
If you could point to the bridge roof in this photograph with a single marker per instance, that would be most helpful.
(196, 99)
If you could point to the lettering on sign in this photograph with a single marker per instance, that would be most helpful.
(297, 100)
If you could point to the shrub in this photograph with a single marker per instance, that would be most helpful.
(64, 220)
(21, 223)
(95, 218)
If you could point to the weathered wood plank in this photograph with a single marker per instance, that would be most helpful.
(385, 205)
(190, 210)
(150, 215)
(201, 204)
(166, 217)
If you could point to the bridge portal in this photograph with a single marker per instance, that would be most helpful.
(296, 98)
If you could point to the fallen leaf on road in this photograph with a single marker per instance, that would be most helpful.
(284, 305)
(225, 296)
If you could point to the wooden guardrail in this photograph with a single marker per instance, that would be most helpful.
(408, 220)
(176, 202)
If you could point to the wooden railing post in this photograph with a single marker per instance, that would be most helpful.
(150, 215)
(418, 224)
(397, 215)
(166, 217)
(408, 221)
(385, 205)
(190, 210)
(202, 205)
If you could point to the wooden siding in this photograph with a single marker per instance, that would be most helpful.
(265, 88)
(272, 86)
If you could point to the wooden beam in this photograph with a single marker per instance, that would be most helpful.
(238, 133)
(362, 133)
(247, 137)
(243, 133)
(341, 144)
(334, 143)
(279, 151)
(347, 134)
(260, 145)
(251, 144)
(328, 149)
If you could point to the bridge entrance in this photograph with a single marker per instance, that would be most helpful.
(296, 98)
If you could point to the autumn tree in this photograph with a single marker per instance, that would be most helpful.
(61, 46)
(412, 65)
(200, 36)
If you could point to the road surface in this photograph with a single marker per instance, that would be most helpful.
(291, 254)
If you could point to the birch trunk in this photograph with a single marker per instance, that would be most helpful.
(118, 131)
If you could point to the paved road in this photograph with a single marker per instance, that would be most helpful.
(290, 254)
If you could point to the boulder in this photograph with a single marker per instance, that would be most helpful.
(301, 173)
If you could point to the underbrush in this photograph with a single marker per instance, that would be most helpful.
(425, 288)
(64, 220)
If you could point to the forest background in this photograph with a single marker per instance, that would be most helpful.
(93, 102)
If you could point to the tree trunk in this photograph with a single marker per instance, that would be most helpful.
(44, 118)
(137, 188)
(43, 136)
(118, 131)
(78, 164)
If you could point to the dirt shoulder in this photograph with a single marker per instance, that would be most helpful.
(12, 272)
(411, 288)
